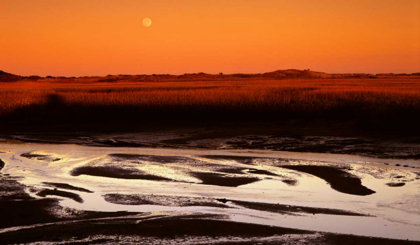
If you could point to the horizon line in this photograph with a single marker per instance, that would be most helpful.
(220, 73)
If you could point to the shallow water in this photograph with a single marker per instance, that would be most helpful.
(394, 212)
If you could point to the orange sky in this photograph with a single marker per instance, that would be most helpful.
(100, 37)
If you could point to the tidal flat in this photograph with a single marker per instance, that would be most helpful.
(103, 194)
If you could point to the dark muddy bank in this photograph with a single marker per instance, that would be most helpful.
(150, 158)
(395, 184)
(207, 178)
(294, 138)
(183, 201)
(339, 179)
(290, 209)
(48, 192)
(223, 180)
(173, 201)
(17, 208)
(115, 172)
(189, 229)
(67, 187)
(40, 157)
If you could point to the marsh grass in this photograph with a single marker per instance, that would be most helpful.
(370, 100)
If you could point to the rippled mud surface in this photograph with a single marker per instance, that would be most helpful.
(94, 194)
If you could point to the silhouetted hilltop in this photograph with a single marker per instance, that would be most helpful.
(6, 77)
(275, 75)
(292, 73)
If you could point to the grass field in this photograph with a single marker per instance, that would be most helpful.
(385, 101)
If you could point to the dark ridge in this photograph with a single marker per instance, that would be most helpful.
(67, 187)
(273, 75)
(47, 192)
(222, 180)
(115, 172)
(287, 209)
(339, 179)
(2, 164)
(8, 77)
(240, 159)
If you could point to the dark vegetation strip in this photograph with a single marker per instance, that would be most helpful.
(362, 113)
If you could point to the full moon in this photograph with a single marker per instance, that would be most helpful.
(147, 22)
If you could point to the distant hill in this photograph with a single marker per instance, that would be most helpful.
(8, 77)
(292, 73)
(275, 75)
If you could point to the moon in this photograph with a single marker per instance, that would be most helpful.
(147, 22)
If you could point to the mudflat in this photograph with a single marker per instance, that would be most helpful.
(102, 194)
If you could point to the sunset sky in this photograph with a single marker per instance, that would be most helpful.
(100, 37)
